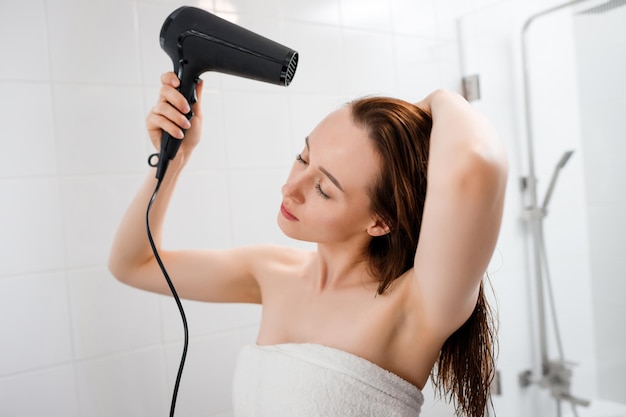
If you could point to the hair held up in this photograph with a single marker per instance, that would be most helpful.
(400, 132)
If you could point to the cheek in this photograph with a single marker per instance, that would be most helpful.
(330, 219)
(339, 219)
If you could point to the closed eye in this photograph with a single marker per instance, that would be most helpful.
(321, 193)
(318, 187)
(301, 160)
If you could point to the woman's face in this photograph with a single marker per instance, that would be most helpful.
(325, 198)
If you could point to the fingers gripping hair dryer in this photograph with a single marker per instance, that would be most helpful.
(198, 41)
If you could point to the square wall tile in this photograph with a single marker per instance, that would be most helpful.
(108, 316)
(92, 210)
(154, 60)
(492, 25)
(415, 17)
(321, 60)
(250, 317)
(366, 14)
(224, 414)
(453, 9)
(26, 51)
(369, 58)
(250, 7)
(416, 67)
(34, 322)
(257, 131)
(99, 129)
(202, 318)
(48, 392)
(320, 11)
(31, 145)
(129, 384)
(30, 220)
(248, 335)
(199, 214)
(492, 63)
(256, 200)
(174, 4)
(93, 42)
(207, 379)
(449, 65)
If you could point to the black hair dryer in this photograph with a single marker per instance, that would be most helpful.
(198, 41)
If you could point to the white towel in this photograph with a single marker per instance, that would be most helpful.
(306, 380)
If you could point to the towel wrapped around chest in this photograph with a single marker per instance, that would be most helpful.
(306, 380)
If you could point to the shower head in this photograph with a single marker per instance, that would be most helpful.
(604, 7)
(566, 156)
(564, 159)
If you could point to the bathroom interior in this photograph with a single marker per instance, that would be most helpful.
(77, 84)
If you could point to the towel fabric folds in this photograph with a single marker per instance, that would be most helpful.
(307, 380)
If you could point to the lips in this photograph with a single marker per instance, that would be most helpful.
(287, 214)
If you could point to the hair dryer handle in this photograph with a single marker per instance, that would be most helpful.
(170, 145)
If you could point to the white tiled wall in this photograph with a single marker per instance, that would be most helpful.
(75, 88)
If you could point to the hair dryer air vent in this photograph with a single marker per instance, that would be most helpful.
(291, 69)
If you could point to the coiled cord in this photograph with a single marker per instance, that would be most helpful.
(176, 298)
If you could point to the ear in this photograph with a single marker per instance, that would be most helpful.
(378, 228)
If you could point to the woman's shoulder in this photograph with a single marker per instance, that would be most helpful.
(270, 257)
(274, 266)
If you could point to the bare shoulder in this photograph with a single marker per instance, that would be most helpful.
(274, 267)
(268, 260)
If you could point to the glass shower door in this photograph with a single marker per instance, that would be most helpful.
(576, 68)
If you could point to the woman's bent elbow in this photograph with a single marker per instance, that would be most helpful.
(121, 269)
(116, 269)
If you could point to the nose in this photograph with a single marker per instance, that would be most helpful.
(293, 188)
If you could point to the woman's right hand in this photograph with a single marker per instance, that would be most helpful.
(169, 115)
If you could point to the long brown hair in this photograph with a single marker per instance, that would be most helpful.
(400, 132)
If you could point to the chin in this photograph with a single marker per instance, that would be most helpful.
(291, 232)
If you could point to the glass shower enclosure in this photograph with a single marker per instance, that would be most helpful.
(560, 68)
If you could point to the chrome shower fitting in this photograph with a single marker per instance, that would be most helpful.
(557, 378)
(556, 375)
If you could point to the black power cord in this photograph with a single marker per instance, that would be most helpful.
(175, 294)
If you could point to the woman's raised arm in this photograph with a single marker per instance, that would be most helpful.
(467, 175)
(207, 275)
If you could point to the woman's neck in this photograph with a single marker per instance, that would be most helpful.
(337, 268)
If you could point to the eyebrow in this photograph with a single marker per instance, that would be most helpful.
(323, 170)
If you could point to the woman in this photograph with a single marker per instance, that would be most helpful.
(404, 202)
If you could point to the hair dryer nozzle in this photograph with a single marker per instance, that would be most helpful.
(198, 41)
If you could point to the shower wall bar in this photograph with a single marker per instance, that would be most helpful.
(555, 375)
